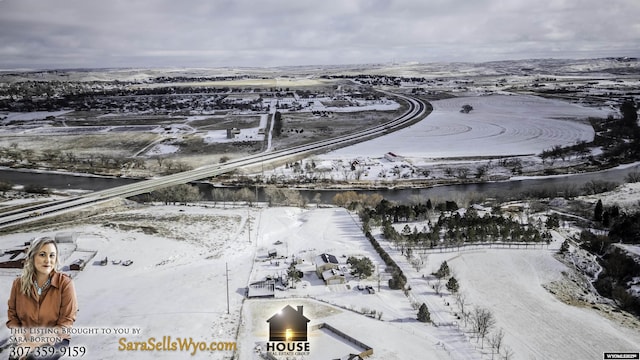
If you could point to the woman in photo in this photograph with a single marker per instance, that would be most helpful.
(42, 303)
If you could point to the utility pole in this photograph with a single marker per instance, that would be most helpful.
(226, 266)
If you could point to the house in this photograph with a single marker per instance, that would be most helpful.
(333, 277)
(325, 262)
(288, 325)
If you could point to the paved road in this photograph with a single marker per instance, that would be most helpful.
(417, 110)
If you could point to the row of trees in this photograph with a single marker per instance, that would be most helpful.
(30, 188)
(618, 138)
(398, 279)
(13, 155)
(455, 230)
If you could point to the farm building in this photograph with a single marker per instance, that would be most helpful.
(325, 262)
(392, 157)
(66, 237)
(333, 277)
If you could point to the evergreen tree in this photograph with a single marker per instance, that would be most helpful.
(293, 273)
(564, 247)
(553, 221)
(423, 313)
(362, 268)
(629, 113)
(452, 285)
(397, 281)
(443, 271)
(597, 213)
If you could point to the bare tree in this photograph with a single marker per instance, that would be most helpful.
(437, 286)
(50, 155)
(463, 173)
(182, 193)
(70, 157)
(90, 160)
(104, 159)
(29, 154)
(182, 166)
(15, 155)
(481, 171)
(508, 353)
(483, 321)
(417, 263)
(283, 196)
(138, 163)
(245, 194)
(461, 300)
(345, 172)
(160, 160)
(495, 340)
(273, 195)
(293, 197)
(219, 195)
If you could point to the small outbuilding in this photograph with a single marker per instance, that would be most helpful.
(325, 262)
(78, 265)
(262, 289)
(392, 157)
(66, 237)
(333, 277)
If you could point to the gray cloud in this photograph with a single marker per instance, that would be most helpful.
(80, 33)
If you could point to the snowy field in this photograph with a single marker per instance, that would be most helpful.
(176, 287)
(498, 125)
(177, 284)
(530, 315)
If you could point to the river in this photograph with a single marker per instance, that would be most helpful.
(64, 181)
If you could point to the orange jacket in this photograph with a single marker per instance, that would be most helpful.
(57, 307)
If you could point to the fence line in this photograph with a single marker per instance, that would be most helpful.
(484, 245)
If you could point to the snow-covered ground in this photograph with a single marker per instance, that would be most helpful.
(26, 116)
(498, 125)
(181, 256)
(176, 287)
(510, 283)
(626, 196)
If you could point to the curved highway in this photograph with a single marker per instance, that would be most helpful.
(417, 110)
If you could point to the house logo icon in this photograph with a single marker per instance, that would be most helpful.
(288, 325)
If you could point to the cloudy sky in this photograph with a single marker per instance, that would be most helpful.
(265, 33)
